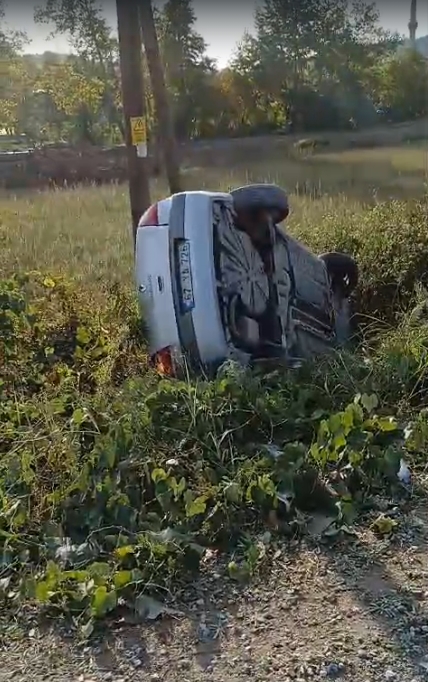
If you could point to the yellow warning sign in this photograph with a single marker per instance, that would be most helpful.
(138, 130)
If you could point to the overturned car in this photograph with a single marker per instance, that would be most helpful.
(218, 279)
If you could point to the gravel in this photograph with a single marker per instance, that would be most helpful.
(355, 612)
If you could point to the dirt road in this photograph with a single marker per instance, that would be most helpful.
(357, 611)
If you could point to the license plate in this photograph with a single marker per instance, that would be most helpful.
(186, 286)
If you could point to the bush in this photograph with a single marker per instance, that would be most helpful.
(390, 243)
(113, 484)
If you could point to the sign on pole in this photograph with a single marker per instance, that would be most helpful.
(139, 135)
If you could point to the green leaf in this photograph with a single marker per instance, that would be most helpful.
(392, 459)
(354, 458)
(384, 525)
(103, 601)
(323, 430)
(78, 416)
(315, 452)
(79, 354)
(122, 552)
(233, 570)
(100, 572)
(196, 507)
(122, 578)
(43, 592)
(347, 510)
(159, 475)
(335, 423)
(232, 493)
(266, 485)
(53, 574)
(110, 456)
(177, 488)
(339, 441)
(78, 576)
(348, 418)
(239, 572)
(387, 424)
(137, 576)
(82, 336)
(369, 402)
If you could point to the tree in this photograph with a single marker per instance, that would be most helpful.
(92, 39)
(13, 88)
(314, 63)
(87, 30)
(311, 45)
(400, 84)
(187, 68)
(11, 42)
(76, 98)
(13, 77)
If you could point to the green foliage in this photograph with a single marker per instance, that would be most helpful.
(114, 484)
(315, 65)
(390, 243)
(97, 49)
(83, 23)
(393, 84)
(188, 71)
(312, 56)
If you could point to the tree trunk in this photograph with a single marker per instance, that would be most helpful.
(157, 78)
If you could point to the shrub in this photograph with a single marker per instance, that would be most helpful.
(390, 243)
(113, 484)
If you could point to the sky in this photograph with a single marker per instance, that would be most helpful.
(221, 23)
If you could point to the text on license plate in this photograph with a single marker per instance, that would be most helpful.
(185, 274)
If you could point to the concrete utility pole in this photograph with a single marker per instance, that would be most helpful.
(131, 68)
(413, 24)
(157, 78)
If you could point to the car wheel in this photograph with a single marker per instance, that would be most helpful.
(343, 272)
(261, 197)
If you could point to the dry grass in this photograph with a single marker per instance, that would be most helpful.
(85, 232)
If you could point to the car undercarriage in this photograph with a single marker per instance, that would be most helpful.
(277, 299)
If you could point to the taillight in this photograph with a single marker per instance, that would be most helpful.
(163, 362)
(150, 217)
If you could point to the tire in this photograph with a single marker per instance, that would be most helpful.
(252, 198)
(343, 272)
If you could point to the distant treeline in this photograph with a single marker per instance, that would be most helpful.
(309, 66)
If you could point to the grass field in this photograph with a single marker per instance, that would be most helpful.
(143, 475)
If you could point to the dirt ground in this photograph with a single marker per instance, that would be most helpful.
(356, 611)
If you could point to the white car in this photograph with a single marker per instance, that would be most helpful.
(218, 279)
